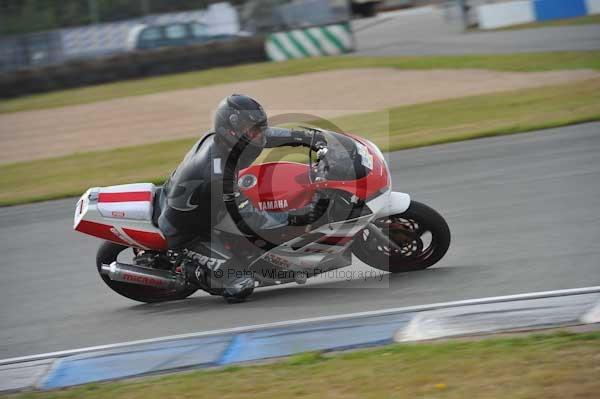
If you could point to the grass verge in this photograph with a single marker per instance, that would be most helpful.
(504, 62)
(548, 366)
(392, 129)
(585, 20)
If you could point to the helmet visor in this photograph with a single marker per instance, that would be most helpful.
(256, 134)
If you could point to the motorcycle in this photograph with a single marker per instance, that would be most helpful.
(363, 217)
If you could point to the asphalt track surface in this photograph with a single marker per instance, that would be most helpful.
(430, 31)
(523, 211)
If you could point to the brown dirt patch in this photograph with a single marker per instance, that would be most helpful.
(186, 113)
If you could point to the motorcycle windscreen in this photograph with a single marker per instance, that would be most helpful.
(347, 158)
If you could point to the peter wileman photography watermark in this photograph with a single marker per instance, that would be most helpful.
(346, 274)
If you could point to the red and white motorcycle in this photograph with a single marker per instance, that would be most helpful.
(383, 228)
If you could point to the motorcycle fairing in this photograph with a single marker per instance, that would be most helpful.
(389, 203)
(326, 246)
(283, 186)
(276, 186)
(318, 251)
(121, 214)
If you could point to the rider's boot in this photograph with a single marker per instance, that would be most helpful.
(233, 284)
(238, 290)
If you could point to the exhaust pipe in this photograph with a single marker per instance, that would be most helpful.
(142, 276)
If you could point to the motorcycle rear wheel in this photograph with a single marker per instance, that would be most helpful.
(108, 253)
(421, 233)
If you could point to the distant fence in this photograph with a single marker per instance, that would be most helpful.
(98, 40)
(100, 53)
(491, 16)
(217, 20)
(132, 65)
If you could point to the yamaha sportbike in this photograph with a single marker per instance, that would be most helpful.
(363, 217)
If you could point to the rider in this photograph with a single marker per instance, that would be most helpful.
(192, 201)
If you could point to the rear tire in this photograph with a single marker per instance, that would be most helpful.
(108, 253)
(407, 230)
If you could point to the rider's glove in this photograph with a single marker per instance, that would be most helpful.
(314, 139)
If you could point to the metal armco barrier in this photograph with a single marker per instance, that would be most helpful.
(327, 333)
(310, 42)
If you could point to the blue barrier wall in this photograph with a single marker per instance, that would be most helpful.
(510, 12)
(546, 10)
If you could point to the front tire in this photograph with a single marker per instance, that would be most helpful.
(421, 234)
(108, 253)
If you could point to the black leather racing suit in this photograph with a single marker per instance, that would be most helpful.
(192, 198)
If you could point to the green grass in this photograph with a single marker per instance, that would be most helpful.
(585, 20)
(503, 62)
(392, 129)
(558, 365)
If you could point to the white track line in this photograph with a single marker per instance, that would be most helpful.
(407, 309)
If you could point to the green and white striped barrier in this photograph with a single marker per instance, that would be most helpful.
(310, 42)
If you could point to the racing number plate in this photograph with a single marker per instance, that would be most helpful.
(366, 159)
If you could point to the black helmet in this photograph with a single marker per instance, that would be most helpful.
(240, 117)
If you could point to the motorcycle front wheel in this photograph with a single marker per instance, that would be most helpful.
(420, 234)
(108, 253)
